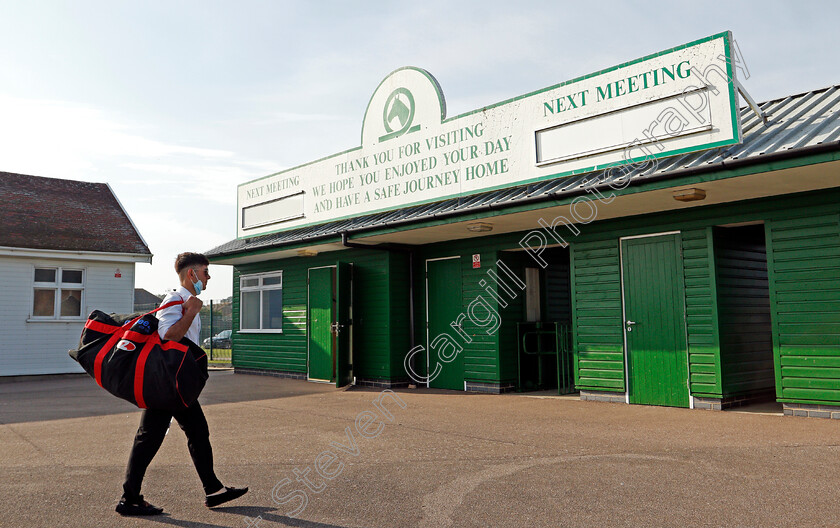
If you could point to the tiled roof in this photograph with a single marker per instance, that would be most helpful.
(66, 215)
(797, 122)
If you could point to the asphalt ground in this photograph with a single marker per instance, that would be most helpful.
(446, 459)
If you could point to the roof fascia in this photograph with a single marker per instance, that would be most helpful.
(125, 212)
(101, 256)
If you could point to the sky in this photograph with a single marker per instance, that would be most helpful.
(176, 103)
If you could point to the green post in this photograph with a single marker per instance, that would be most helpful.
(211, 329)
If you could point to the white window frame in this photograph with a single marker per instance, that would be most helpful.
(259, 288)
(57, 286)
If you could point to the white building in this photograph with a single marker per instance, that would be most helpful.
(66, 248)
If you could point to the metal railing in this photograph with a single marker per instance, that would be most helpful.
(213, 322)
(539, 343)
(215, 325)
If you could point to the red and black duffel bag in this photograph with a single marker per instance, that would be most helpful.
(126, 357)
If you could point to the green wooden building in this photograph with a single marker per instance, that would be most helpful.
(524, 246)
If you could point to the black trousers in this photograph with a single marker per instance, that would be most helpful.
(149, 437)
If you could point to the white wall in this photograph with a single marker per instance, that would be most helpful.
(40, 347)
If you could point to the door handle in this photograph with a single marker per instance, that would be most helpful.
(629, 324)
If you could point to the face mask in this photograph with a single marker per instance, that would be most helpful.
(198, 284)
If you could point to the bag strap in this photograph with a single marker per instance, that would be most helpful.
(165, 306)
(110, 329)
(116, 335)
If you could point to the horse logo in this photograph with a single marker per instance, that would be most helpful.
(398, 114)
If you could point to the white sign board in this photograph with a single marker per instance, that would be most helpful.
(677, 101)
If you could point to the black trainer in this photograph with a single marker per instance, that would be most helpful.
(138, 507)
(228, 495)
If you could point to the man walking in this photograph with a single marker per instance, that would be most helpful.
(176, 322)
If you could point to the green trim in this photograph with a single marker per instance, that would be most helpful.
(602, 389)
(730, 80)
(558, 175)
(774, 317)
(298, 245)
(723, 34)
(726, 35)
(766, 209)
(713, 292)
(713, 175)
(573, 321)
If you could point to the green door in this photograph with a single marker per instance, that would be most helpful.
(321, 317)
(343, 324)
(654, 326)
(443, 305)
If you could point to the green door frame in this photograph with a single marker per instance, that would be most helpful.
(341, 324)
(627, 325)
(459, 361)
(344, 324)
(310, 333)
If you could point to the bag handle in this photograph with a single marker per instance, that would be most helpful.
(165, 306)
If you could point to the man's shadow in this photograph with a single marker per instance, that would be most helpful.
(254, 513)
(252, 516)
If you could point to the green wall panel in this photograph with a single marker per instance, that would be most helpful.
(399, 315)
(597, 324)
(804, 271)
(704, 372)
(482, 356)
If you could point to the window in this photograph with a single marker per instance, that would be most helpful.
(261, 302)
(58, 293)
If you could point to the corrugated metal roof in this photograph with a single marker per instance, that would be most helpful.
(794, 122)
